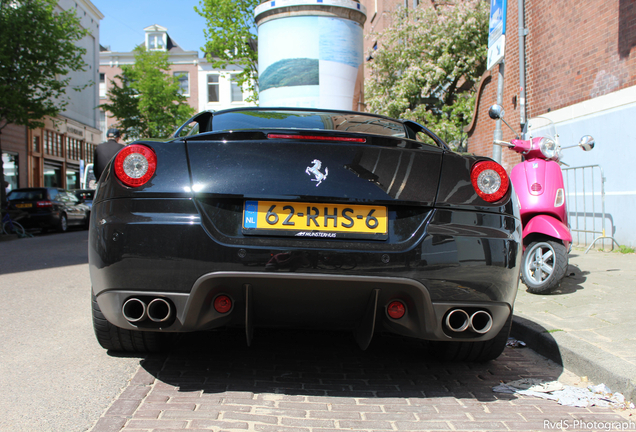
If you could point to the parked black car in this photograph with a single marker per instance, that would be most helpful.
(49, 208)
(305, 218)
(85, 196)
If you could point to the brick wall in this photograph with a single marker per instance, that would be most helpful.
(575, 51)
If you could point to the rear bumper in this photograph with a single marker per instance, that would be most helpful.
(354, 303)
(459, 260)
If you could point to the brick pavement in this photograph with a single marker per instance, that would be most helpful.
(320, 381)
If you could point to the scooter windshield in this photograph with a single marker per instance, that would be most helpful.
(542, 127)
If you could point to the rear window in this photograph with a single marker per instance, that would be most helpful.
(28, 195)
(314, 120)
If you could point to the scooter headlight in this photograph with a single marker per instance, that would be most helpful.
(549, 148)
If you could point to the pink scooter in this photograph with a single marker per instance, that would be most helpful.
(538, 183)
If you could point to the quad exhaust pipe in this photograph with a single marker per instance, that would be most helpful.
(159, 310)
(135, 310)
(458, 321)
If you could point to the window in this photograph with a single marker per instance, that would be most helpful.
(10, 161)
(53, 143)
(237, 92)
(213, 88)
(52, 178)
(191, 128)
(102, 85)
(281, 119)
(184, 84)
(72, 182)
(155, 42)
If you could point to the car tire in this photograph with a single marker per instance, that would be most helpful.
(62, 225)
(558, 262)
(87, 221)
(477, 352)
(113, 338)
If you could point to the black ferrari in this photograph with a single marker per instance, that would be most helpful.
(304, 218)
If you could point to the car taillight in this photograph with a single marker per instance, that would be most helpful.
(135, 165)
(44, 204)
(490, 180)
(315, 137)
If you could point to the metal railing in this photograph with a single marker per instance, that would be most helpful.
(585, 191)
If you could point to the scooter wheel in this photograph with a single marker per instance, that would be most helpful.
(543, 266)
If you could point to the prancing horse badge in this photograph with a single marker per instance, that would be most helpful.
(315, 171)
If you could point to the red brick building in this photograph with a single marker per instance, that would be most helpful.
(575, 51)
(580, 65)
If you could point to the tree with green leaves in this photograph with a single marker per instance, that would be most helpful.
(231, 38)
(37, 51)
(145, 97)
(427, 63)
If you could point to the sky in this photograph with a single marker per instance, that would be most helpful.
(124, 21)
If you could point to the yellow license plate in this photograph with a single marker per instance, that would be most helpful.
(24, 205)
(302, 219)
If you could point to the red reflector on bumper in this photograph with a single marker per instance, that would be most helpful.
(396, 309)
(222, 304)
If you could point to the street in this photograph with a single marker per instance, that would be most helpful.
(55, 377)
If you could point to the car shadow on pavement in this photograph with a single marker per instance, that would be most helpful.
(325, 363)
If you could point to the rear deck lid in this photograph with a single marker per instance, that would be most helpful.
(315, 156)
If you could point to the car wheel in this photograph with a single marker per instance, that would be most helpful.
(473, 351)
(543, 266)
(63, 224)
(87, 221)
(113, 338)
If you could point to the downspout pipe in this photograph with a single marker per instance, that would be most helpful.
(522, 67)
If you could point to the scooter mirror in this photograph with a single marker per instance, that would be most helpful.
(496, 112)
(586, 143)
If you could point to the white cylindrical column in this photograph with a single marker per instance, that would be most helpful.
(310, 53)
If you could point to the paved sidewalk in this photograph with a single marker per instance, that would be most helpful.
(589, 324)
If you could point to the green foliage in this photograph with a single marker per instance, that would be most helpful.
(290, 72)
(37, 50)
(231, 38)
(145, 98)
(625, 249)
(427, 64)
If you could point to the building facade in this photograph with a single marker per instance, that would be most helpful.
(580, 68)
(205, 87)
(55, 154)
(379, 17)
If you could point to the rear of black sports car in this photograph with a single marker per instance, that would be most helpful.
(304, 219)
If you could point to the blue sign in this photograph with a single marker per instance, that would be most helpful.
(497, 32)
